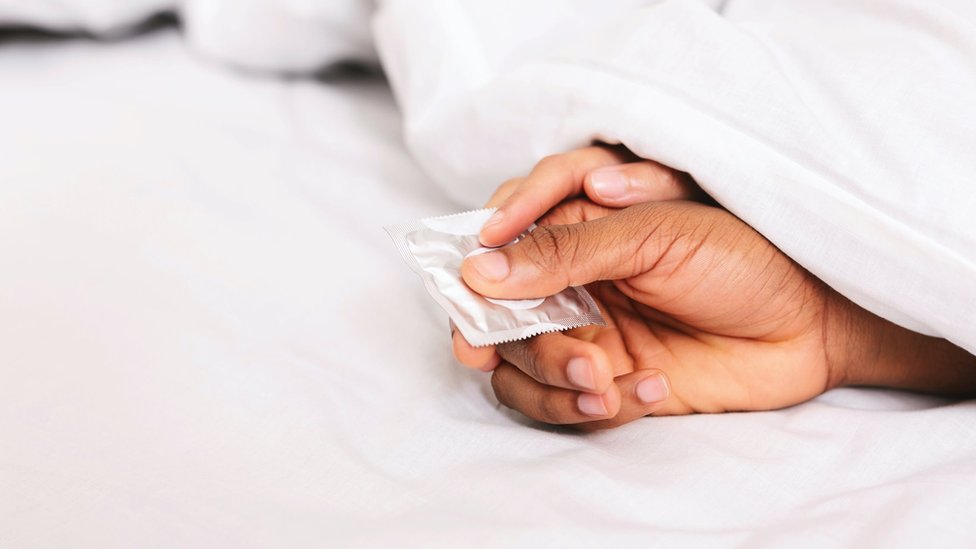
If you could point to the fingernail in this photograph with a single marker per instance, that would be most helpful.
(580, 373)
(653, 389)
(491, 266)
(591, 405)
(495, 219)
(609, 183)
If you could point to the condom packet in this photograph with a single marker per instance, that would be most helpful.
(435, 247)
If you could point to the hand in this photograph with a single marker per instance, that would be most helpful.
(607, 176)
(704, 315)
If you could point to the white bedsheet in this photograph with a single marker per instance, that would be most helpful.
(206, 340)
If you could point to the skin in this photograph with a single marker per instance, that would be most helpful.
(704, 314)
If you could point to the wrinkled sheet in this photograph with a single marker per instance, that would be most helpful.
(206, 340)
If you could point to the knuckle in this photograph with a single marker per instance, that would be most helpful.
(666, 235)
(690, 239)
(553, 247)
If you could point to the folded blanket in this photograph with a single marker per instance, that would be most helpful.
(843, 131)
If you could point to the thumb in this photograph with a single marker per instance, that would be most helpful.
(555, 257)
(624, 185)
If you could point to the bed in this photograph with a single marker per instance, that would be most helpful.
(207, 340)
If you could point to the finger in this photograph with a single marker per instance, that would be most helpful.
(642, 393)
(482, 358)
(576, 210)
(619, 246)
(624, 185)
(515, 389)
(561, 361)
(553, 179)
(503, 192)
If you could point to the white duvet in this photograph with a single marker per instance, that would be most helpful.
(842, 130)
(183, 364)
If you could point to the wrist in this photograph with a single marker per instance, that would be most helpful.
(849, 340)
(863, 349)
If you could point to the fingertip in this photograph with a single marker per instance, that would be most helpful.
(501, 233)
(607, 186)
(474, 357)
(600, 406)
(635, 399)
(487, 239)
(494, 230)
(515, 215)
(653, 389)
(592, 405)
(628, 184)
(485, 273)
(459, 346)
(588, 368)
(511, 219)
(471, 277)
(649, 392)
(613, 400)
(602, 368)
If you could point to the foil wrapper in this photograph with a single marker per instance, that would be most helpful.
(435, 247)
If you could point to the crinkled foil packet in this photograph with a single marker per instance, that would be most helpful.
(435, 247)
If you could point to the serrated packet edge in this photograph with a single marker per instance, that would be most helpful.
(476, 337)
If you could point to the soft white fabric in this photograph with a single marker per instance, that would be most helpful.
(272, 35)
(206, 340)
(96, 16)
(844, 131)
(280, 35)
